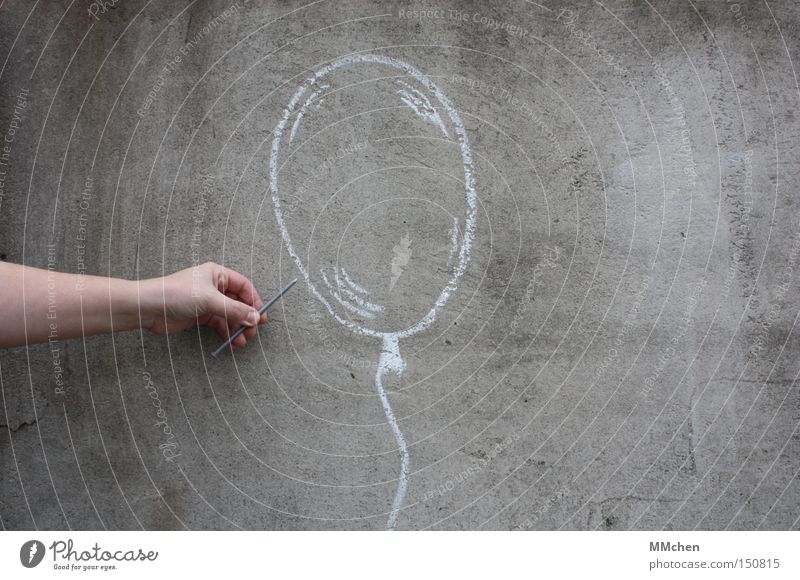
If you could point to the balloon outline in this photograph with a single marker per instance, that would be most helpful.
(390, 359)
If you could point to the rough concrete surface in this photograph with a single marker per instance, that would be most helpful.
(619, 351)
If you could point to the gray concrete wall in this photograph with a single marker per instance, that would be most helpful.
(620, 352)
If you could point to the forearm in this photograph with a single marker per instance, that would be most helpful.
(38, 305)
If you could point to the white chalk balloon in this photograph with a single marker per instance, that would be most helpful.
(371, 158)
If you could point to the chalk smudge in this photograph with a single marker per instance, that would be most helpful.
(402, 255)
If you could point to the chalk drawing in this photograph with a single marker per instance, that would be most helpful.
(390, 360)
(453, 241)
(421, 105)
(355, 297)
(303, 110)
(363, 313)
(352, 284)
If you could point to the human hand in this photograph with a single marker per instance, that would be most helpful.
(209, 294)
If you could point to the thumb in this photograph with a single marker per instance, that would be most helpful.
(235, 312)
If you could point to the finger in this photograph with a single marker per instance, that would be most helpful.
(224, 330)
(231, 328)
(258, 304)
(233, 312)
(233, 283)
(233, 296)
(219, 325)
